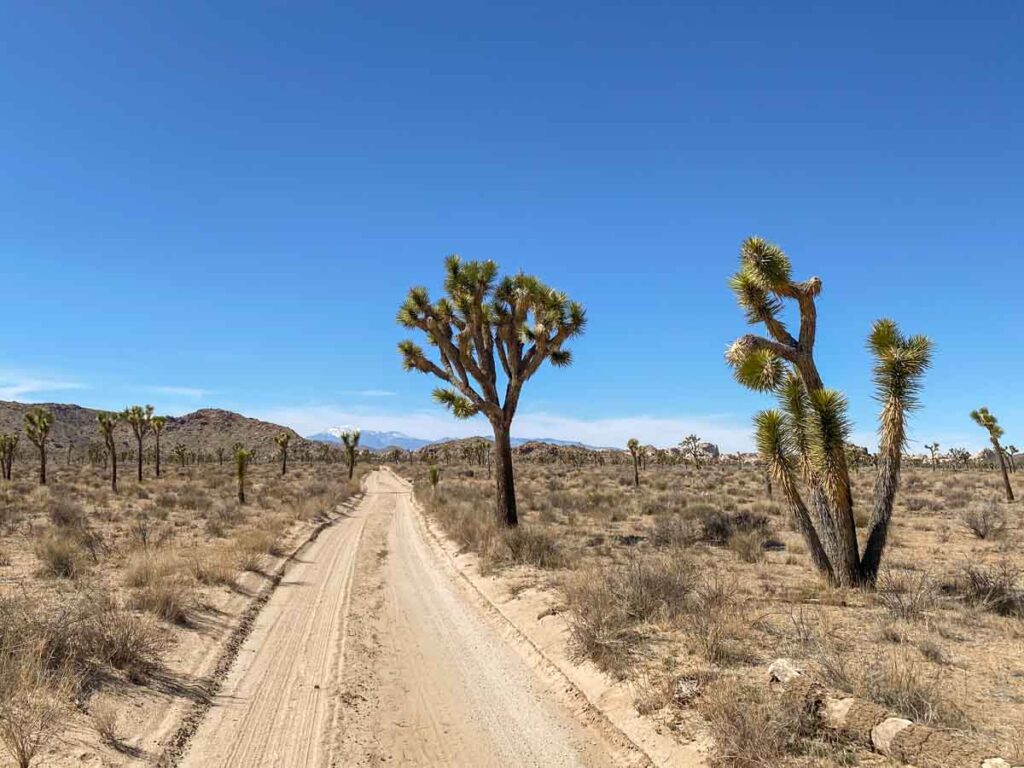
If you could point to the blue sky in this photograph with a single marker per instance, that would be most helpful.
(223, 204)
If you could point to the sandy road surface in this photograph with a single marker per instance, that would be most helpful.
(371, 653)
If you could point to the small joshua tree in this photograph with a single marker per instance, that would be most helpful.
(990, 423)
(933, 448)
(282, 440)
(959, 457)
(485, 326)
(1011, 451)
(180, 452)
(157, 424)
(242, 457)
(8, 449)
(806, 439)
(38, 422)
(350, 439)
(107, 422)
(435, 478)
(139, 419)
(634, 450)
(692, 447)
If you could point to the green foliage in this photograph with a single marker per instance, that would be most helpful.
(38, 422)
(987, 421)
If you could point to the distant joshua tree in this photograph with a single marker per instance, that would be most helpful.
(435, 478)
(107, 422)
(139, 419)
(634, 450)
(933, 448)
(242, 457)
(8, 449)
(157, 424)
(959, 457)
(180, 452)
(38, 422)
(282, 439)
(989, 423)
(805, 440)
(485, 325)
(1011, 451)
(350, 439)
(692, 447)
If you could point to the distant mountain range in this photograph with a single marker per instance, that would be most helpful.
(379, 441)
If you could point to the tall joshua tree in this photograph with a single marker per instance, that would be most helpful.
(350, 439)
(107, 422)
(806, 438)
(990, 423)
(157, 424)
(242, 457)
(933, 448)
(634, 450)
(282, 440)
(518, 320)
(8, 449)
(139, 419)
(38, 422)
(692, 447)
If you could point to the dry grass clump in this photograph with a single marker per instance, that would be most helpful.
(906, 594)
(753, 726)
(996, 588)
(59, 555)
(162, 585)
(532, 546)
(984, 519)
(899, 681)
(610, 605)
(35, 702)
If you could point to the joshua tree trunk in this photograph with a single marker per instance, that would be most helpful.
(506, 484)
(351, 464)
(241, 489)
(42, 464)
(139, 441)
(1002, 468)
(886, 483)
(284, 462)
(113, 472)
(636, 472)
(157, 456)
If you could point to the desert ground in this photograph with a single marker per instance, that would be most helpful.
(386, 620)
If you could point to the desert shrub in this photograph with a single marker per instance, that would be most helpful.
(162, 585)
(35, 703)
(752, 726)
(59, 555)
(985, 520)
(212, 568)
(532, 546)
(65, 512)
(748, 545)
(904, 684)
(673, 530)
(715, 621)
(906, 594)
(609, 604)
(996, 589)
(104, 720)
(720, 526)
(260, 541)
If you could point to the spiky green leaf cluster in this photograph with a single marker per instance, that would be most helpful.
(986, 420)
(38, 422)
(461, 407)
(760, 370)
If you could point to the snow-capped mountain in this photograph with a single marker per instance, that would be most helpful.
(374, 441)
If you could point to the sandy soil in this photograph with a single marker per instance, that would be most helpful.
(370, 652)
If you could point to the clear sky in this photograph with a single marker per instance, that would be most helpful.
(224, 203)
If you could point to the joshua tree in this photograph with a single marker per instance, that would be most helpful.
(692, 447)
(988, 422)
(139, 419)
(180, 452)
(282, 440)
(634, 450)
(960, 457)
(157, 424)
(517, 319)
(435, 478)
(934, 449)
(1011, 451)
(37, 426)
(107, 422)
(350, 440)
(806, 438)
(8, 448)
(242, 457)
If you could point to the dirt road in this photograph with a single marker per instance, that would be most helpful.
(372, 653)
